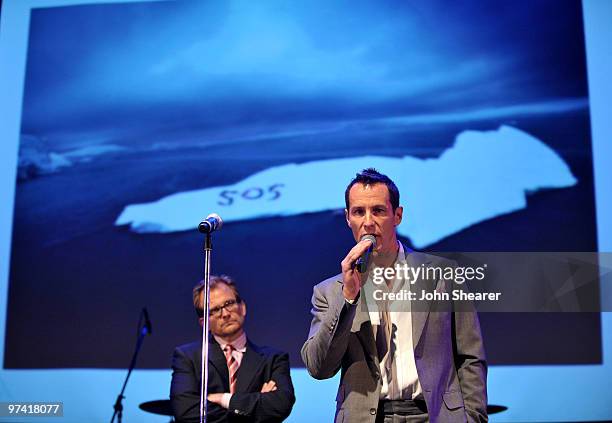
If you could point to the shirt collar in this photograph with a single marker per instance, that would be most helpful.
(238, 344)
(401, 254)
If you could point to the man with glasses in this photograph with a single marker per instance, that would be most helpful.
(246, 383)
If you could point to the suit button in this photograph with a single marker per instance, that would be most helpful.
(372, 411)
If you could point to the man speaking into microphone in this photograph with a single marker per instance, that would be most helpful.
(396, 366)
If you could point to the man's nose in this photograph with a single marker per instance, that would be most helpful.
(368, 219)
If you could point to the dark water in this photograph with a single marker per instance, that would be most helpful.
(78, 282)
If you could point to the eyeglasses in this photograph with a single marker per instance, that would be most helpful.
(229, 305)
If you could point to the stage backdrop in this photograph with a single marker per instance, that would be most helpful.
(139, 119)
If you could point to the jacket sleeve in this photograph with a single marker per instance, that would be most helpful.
(185, 391)
(272, 406)
(329, 332)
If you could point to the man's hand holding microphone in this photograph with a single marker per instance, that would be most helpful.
(355, 265)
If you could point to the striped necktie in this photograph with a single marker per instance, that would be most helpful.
(232, 366)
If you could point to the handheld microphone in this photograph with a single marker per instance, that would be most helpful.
(213, 222)
(147, 326)
(364, 260)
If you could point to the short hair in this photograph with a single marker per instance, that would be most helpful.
(215, 280)
(371, 176)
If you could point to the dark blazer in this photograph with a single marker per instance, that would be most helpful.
(259, 365)
(448, 351)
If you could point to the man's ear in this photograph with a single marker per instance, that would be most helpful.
(243, 305)
(346, 216)
(201, 321)
(399, 212)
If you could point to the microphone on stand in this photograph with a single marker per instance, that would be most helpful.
(213, 222)
(363, 261)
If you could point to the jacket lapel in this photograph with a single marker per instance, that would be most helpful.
(216, 358)
(365, 332)
(419, 317)
(251, 362)
(362, 327)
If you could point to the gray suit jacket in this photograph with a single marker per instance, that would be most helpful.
(448, 351)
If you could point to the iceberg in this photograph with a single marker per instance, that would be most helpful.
(483, 175)
(89, 152)
(36, 159)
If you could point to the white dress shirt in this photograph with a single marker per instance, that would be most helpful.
(398, 368)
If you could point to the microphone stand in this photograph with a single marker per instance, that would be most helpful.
(205, 329)
(143, 331)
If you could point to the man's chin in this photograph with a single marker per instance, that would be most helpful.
(231, 329)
